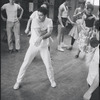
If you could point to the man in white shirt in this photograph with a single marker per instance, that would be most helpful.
(13, 24)
(41, 29)
(35, 14)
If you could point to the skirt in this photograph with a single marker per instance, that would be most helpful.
(76, 29)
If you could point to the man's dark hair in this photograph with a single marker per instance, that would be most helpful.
(94, 42)
(43, 10)
(90, 6)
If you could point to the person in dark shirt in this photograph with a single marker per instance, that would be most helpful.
(90, 18)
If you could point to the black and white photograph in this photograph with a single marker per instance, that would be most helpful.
(50, 49)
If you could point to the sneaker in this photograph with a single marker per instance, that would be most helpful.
(17, 50)
(60, 48)
(76, 56)
(53, 84)
(63, 45)
(16, 86)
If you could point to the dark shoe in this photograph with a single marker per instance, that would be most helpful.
(76, 56)
(17, 50)
(10, 51)
(69, 47)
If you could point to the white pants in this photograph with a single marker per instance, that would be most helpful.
(30, 54)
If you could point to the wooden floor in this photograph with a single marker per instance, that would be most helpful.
(70, 74)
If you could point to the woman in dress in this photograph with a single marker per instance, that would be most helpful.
(87, 29)
(77, 17)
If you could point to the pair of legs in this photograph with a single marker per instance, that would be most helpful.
(72, 43)
(82, 48)
(13, 28)
(30, 55)
(60, 38)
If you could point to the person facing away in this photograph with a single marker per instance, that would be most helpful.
(13, 24)
(63, 17)
(41, 29)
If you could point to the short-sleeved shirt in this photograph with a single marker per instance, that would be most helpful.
(11, 11)
(42, 26)
(89, 22)
(34, 15)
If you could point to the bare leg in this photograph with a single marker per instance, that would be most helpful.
(77, 55)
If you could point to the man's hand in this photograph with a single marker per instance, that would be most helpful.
(37, 43)
(87, 96)
(43, 32)
(26, 30)
(4, 19)
(73, 23)
(79, 13)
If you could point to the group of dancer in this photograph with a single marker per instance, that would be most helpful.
(85, 31)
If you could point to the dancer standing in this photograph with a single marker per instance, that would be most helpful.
(35, 15)
(41, 29)
(13, 24)
(63, 18)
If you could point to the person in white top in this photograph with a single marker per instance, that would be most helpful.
(35, 15)
(63, 19)
(13, 24)
(41, 29)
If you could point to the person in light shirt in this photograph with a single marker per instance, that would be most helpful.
(41, 29)
(35, 15)
(13, 24)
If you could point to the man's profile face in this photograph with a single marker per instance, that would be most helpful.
(41, 16)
